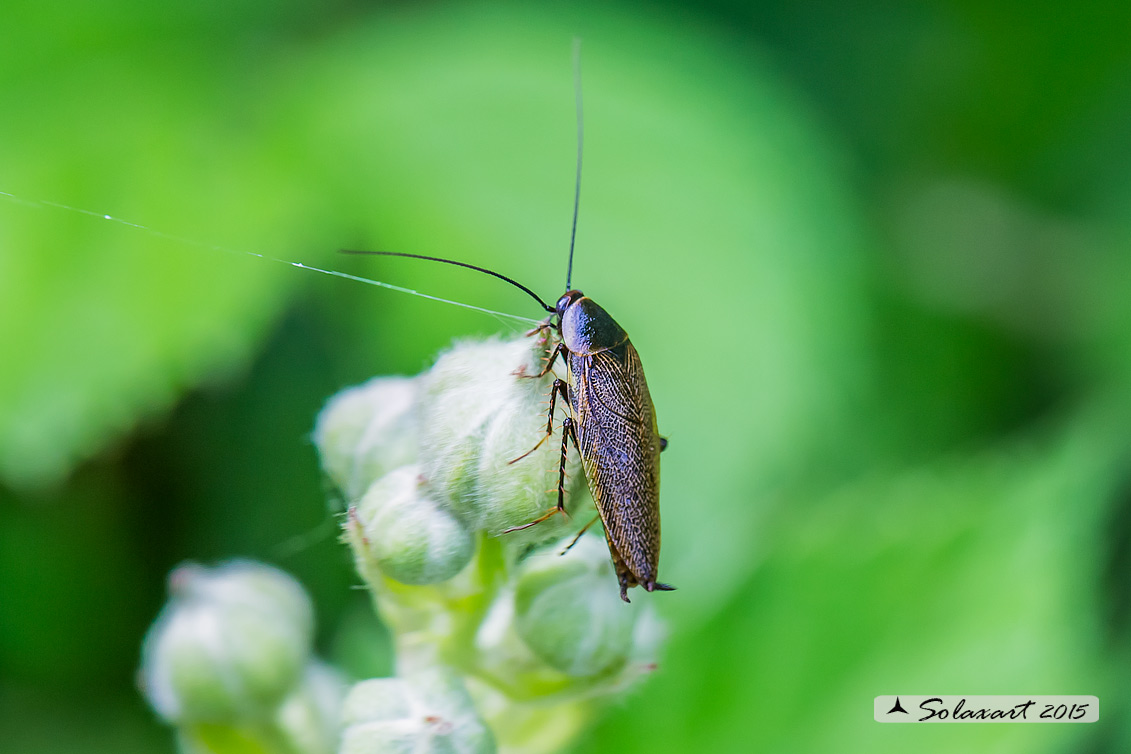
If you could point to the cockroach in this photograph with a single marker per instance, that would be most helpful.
(611, 422)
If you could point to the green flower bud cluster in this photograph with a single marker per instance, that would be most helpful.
(436, 469)
(505, 641)
(463, 423)
(229, 663)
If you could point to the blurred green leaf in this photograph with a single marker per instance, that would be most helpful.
(105, 324)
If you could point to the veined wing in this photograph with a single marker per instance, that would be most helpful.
(620, 450)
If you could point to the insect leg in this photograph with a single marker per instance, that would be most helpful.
(559, 350)
(568, 434)
(575, 539)
(559, 388)
(536, 521)
(624, 576)
(542, 327)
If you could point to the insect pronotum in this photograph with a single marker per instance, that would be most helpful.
(611, 422)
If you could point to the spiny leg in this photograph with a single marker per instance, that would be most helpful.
(575, 539)
(546, 324)
(559, 388)
(559, 350)
(568, 433)
(624, 575)
(536, 521)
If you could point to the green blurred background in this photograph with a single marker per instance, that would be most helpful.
(875, 259)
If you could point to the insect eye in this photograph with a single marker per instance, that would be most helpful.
(564, 302)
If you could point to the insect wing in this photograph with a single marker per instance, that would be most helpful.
(620, 452)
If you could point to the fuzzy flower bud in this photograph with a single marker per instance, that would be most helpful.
(365, 432)
(569, 612)
(310, 718)
(230, 645)
(428, 712)
(477, 416)
(400, 530)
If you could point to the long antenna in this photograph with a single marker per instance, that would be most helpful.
(580, 130)
(515, 283)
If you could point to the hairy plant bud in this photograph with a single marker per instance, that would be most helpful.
(230, 645)
(569, 612)
(310, 718)
(428, 712)
(406, 534)
(365, 432)
(477, 416)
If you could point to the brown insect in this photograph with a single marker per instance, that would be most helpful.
(612, 421)
(612, 424)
